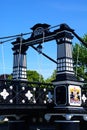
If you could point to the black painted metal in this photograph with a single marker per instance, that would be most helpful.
(24, 92)
(44, 55)
(34, 102)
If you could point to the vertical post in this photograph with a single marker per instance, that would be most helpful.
(19, 60)
(65, 80)
(64, 56)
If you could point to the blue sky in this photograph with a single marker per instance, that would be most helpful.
(18, 16)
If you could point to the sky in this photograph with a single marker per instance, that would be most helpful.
(18, 16)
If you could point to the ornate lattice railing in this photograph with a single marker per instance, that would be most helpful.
(24, 92)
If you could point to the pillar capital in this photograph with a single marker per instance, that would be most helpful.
(19, 46)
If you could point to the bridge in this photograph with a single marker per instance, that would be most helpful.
(61, 104)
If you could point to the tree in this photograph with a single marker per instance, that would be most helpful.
(80, 65)
(10, 77)
(34, 76)
(80, 59)
(51, 78)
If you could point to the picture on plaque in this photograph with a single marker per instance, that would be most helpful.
(74, 95)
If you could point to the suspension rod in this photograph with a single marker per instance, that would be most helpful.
(44, 54)
(84, 43)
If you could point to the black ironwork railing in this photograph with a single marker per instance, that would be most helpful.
(18, 92)
(24, 92)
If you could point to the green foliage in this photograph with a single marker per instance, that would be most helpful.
(80, 59)
(51, 78)
(85, 38)
(80, 65)
(9, 77)
(80, 54)
(34, 76)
